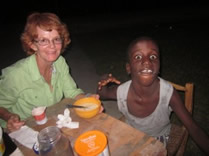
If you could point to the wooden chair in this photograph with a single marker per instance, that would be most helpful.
(179, 135)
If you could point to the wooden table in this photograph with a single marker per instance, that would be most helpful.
(123, 140)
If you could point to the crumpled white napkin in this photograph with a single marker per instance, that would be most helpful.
(66, 121)
(25, 136)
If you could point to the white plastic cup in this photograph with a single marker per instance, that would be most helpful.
(39, 115)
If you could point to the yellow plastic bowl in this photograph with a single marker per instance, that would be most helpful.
(85, 112)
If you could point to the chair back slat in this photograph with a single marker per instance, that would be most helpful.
(188, 89)
(189, 96)
(178, 87)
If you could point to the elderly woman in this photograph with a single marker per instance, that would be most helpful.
(41, 79)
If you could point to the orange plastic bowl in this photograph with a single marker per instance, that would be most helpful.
(93, 106)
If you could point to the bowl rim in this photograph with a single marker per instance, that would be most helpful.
(94, 100)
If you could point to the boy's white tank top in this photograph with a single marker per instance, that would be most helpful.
(156, 124)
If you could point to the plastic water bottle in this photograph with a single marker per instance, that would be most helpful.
(53, 143)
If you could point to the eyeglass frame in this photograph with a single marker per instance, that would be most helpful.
(55, 41)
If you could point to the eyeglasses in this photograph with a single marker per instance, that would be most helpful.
(45, 41)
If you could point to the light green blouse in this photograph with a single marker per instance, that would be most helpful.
(22, 87)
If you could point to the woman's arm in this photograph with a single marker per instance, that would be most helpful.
(13, 120)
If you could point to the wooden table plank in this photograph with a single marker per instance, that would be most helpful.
(123, 140)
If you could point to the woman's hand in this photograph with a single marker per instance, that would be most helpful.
(14, 123)
(108, 78)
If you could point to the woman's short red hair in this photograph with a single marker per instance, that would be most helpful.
(46, 21)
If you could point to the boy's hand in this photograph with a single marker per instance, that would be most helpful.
(107, 79)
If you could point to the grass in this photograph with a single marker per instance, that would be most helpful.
(183, 58)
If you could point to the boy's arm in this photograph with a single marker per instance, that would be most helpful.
(107, 87)
(108, 93)
(198, 135)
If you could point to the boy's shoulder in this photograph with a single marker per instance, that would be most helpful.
(125, 85)
(128, 82)
(162, 80)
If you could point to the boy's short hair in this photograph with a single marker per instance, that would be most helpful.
(139, 39)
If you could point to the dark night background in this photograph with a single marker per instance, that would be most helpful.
(107, 26)
(18, 10)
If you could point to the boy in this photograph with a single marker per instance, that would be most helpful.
(147, 100)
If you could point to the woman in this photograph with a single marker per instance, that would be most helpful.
(41, 79)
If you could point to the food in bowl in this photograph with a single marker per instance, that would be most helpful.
(91, 104)
(88, 106)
